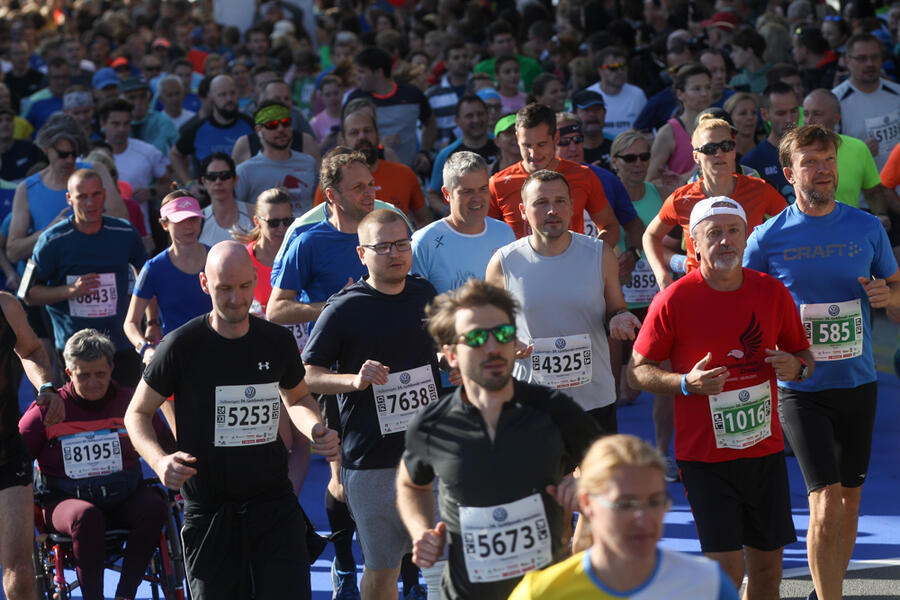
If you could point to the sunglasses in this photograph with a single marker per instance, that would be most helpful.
(477, 338)
(711, 148)
(63, 154)
(831, 18)
(286, 221)
(630, 158)
(271, 125)
(575, 139)
(218, 176)
(385, 247)
(613, 67)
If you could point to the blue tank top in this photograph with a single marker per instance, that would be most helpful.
(43, 203)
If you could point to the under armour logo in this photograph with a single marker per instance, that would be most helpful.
(263, 365)
(439, 241)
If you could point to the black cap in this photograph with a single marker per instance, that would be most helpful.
(586, 98)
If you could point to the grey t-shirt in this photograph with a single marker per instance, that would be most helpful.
(298, 175)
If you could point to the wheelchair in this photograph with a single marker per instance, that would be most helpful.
(53, 553)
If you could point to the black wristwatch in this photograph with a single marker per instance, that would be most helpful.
(804, 370)
(635, 252)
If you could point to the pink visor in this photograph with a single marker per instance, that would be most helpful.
(180, 209)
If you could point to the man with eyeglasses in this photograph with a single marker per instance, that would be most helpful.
(838, 265)
(388, 371)
(277, 164)
(502, 517)
(869, 106)
(623, 101)
(728, 441)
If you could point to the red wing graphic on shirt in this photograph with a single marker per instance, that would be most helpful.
(292, 183)
(750, 339)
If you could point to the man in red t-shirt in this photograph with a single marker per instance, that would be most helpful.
(729, 333)
(537, 137)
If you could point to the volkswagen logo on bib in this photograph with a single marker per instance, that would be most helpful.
(833, 310)
(744, 395)
(500, 514)
(250, 391)
(404, 378)
(560, 343)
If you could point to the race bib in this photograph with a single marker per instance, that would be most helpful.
(91, 454)
(590, 228)
(403, 396)
(834, 331)
(742, 418)
(300, 333)
(642, 287)
(885, 129)
(99, 303)
(562, 362)
(256, 309)
(246, 414)
(505, 541)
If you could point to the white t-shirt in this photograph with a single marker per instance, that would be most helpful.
(622, 109)
(185, 116)
(873, 115)
(140, 163)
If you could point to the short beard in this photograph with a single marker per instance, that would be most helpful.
(229, 114)
(817, 198)
(726, 263)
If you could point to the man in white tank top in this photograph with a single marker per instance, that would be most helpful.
(568, 287)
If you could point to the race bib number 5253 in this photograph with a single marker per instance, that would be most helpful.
(246, 414)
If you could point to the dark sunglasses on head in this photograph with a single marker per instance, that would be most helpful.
(477, 338)
(713, 147)
(286, 221)
(630, 158)
(575, 139)
(64, 154)
(613, 66)
(218, 175)
(274, 124)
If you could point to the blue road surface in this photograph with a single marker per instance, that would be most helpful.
(879, 523)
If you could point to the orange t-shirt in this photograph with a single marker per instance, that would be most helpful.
(890, 172)
(506, 195)
(396, 184)
(759, 199)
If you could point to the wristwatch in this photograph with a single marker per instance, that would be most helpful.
(804, 370)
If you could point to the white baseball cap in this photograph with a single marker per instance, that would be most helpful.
(717, 205)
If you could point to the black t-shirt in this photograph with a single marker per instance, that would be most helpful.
(198, 365)
(600, 153)
(24, 86)
(358, 324)
(488, 152)
(541, 436)
(10, 377)
(20, 157)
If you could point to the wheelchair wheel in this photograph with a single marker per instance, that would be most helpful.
(43, 574)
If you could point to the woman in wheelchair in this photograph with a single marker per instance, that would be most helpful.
(90, 476)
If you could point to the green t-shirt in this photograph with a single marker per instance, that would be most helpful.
(857, 170)
(528, 69)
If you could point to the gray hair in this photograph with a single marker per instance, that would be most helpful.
(88, 345)
(171, 79)
(459, 164)
(832, 98)
(62, 126)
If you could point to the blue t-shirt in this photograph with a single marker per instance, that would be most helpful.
(616, 194)
(819, 260)
(319, 261)
(764, 158)
(41, 110)
(63, 252)
(178, 294)
(437, 171)
(448, 258)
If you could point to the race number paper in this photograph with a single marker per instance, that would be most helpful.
(885, 129)
(505, 541)
(403, 396)
(91, 454)
(99, 303)
(562, 362)
(642, 286)
(742, 418)
(835, 330)
(246, 414)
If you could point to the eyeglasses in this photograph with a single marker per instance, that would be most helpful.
(218, 175)
(271, 125)
(64, 154)
(630, 158)
(866, 57)
(403, 245)
(655, 505)
(286, 221)
(713, 147)
(477, 338)
(613, 67)
(575, 139)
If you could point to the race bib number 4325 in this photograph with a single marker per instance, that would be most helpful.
(246, 414)
(562, 362)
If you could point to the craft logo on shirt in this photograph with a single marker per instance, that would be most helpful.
(772, 170)
(849, 250)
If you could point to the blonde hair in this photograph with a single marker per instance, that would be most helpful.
(275, 195)
(708, 122)
(614, 452)
(625, 139)
(731, 104)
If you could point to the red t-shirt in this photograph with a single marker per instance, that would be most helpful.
(759, 199)
(263, 279)
(506, 195)
(689, 319)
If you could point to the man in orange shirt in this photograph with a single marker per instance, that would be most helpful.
(394, 182)
(537, 137)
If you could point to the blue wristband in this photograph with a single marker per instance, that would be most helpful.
(45, 386)
(684, 389)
